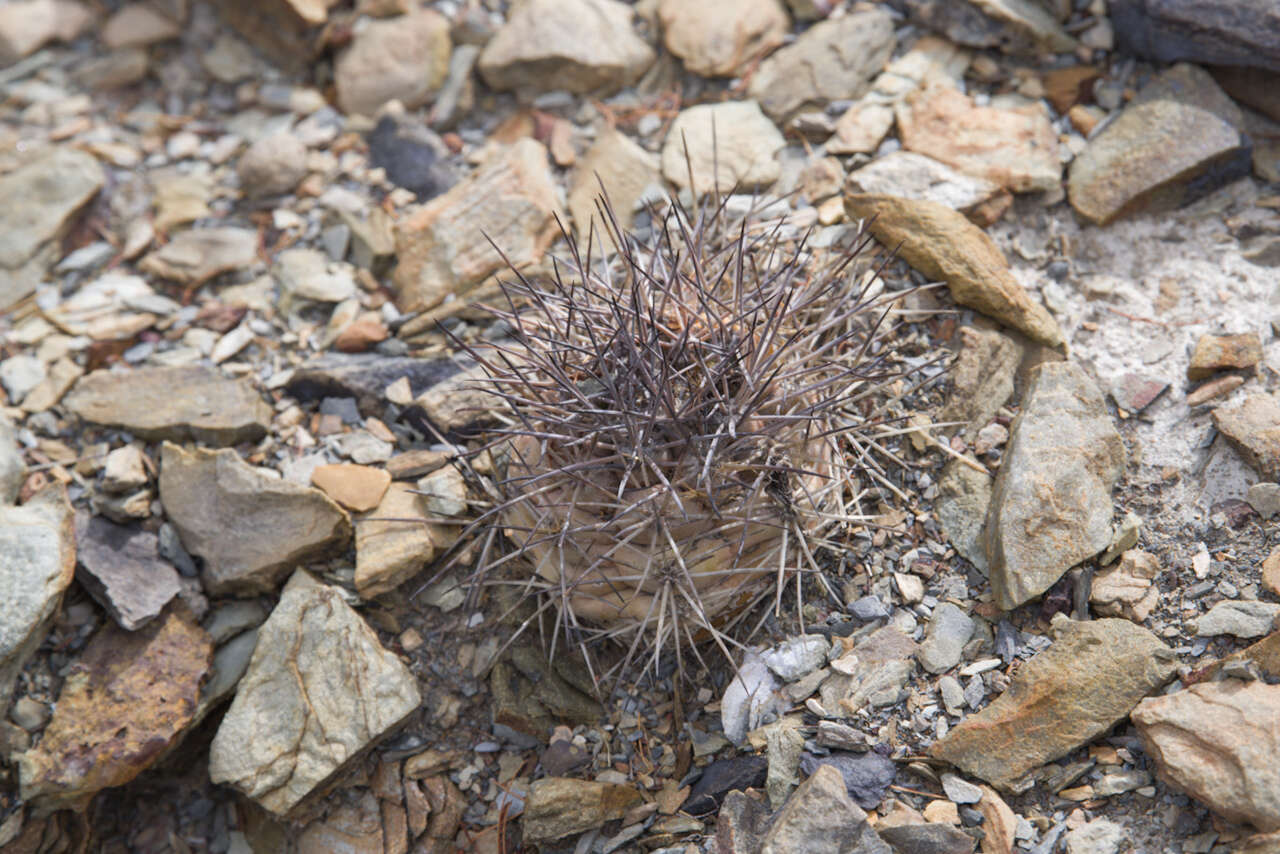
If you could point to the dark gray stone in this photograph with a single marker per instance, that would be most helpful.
(121, 568)
(365, 377)
(934, 838)
(1210, 32)
(724, 776)
(866, 775)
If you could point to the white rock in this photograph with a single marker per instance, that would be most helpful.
(750, 700)
(797, 657)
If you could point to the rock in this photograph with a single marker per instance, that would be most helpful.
(1271, 571)
(1100, 836)
(797, 657)
(868, 608)
(741, 824)
(442, 247)
(138, 25)
(949, 630)
(396, 541)
(626, 171)
(12, 468)
(750, 699)
(915, 176)
(366, 377)
(123, 571)
(197, 255)
(319, 691)
(820, 818)
(456, 404)
(38, 202)
(413, 157)
(1216, 32)
(1215, 353)
(931, 838)
(28, 25)
(180, 198)
(861, 129)
(832, 60)
(532, 696)
(37, 562)
(354, 827)
(357, 488)
(577, 45)
(1135, 392)
(125, 469)
(959, 790)
(982, 378)
(444, 492)
(1016, 148)
(1128, 590)
(1171, 144)
(1258, 843)
(309, 274)
(867, 776)
(1252, 87)
(1051, 500)
(210, 408)
(1243, 619)
(873, 674)
(19, 375)
(61, 376)
(1253, 429)
(557, 807)
(731, 148)
(1215, 741)
(401, 59)
(129, 695)
(273, 165)
(1087, 681)
(1013, 26)
(279, 524)
(722, 38)
(945, 246)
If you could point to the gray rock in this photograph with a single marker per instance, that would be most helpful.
(932, 838)
(820, 818)
(869, 607)
(272, 165)
(13, 470)
(1243, 619)
(309, 274)
(1265, 498)
(915, 176)
(959, 790)
(122, 570)
(982, 378)
(19, 375)
(964, 494)
(784, 746)
(27, 25)
(867, 776)
(730, 145)
(949, 630)
(797, 657)
(319, 690)
(1209, 32)
(1051, 501)
(1013, 26)
(1100, 836)
(198, 254)
(404, 58)
(869, 683)
(750, 699)
(952, 694)
(233, 618)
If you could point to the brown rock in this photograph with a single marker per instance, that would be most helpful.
(397, 541)
(199, 254)
(404, 58)
(1271, 571)
(943, 245)
(1253, 429)
(1127, 591)
(361, 335)
(353, 828)
(1066, 87)
(286, 30)
(28, 25)
(125, 700)
(1066, 696)
(981, 378)
(720, 38)
(357, 488)
(561, 806)
(617, 166)
(1214, 389)
(1215, 353)
(138, 25)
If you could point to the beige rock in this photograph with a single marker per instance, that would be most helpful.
(861, 129)
(138, 25)
(396, 541)
(319, 691)
(404, 59)
(999, 823)
(1215, 353)
(1253, 429)
(180, 198)
(730, 146)
(28, 25)
(125, 469)
(353, 828)
(1271, 571)
(964, 494)
(199, 254)
(560, 806)
(981, 378)
(626, 171)
(721, 38)
(61, 376)
(443, 248)
(357, 488)
(914, 176)
(1128, 590)
(272, 165)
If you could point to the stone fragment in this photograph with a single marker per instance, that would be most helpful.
(1217, 741)
(442, 247)
(1240, 618)
(1253, 429)
(198, 254)
(915, 176)
(38, 202)
(1051, 500)
(61, 376)
(414, 157)
(357, 488)
(1271, 571)
(354, 827)
(1015, 148)
(397, 541)
(189, 401)
(308, 274)
(278, 524)
(444, 492)
(1127, 590)
(982, 378)
(138, 25)
(366, 377)
(273, 165)
(557, 807)
(531, 695)
(930, 838)
(731, 148)
(28, 25)
(403, 59)
(1088, 680)
(820, 817)
(13, 470)
(129, 695)
(949, 630)
(741, 823)
(577, 45)
(945, 246)
(1100, 836)
(861, 129)
(873, 674)
(1014, 26)
(124, 470)
(1215, 353)
(617, 166)
(750, 699)
(832, 60)
(721, 38)
(320, 690)
(123, 571)
(288, 31)
(1135, 392)
(1212, 32)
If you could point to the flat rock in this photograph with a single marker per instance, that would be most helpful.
(1100, 836)
(1128, 590)
(532, 696)
(198, 254)
(1087, 681)
(949, 630)
(945, 246)
(308, 274)
(278, 524)
(37, 563)
(1014, 26)
(557, 807)
(731, 147)
(1253, 429)
(13, 469)
(357, 488)
(404, 59)
(396, 541)
(414, 157)
(982, 378)
(129, 696)
(38, 202)
(1051, 500)
(832, 60)
(1265, 498)
(797, 657)
(721, 38)
(928, 838)
(366, 377)
(1210, 32)
(1217, 741)
(28, 25)
(576, 45)
(1241, 618)
(442, 247)
(915, 176)
(821, 818)
(1215, 353)
(123, 571)
(184, 402)
(617, 166)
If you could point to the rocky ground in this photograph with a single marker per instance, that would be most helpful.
(231, 232)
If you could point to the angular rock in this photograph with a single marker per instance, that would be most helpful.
(128, 697)
(288, 31)
(443, 247)
(273, 165)
(949, 630)
(532, 696)
(1100, 836)
(1087, 681)
(750, 699)
(945, 246)
(1264, 498)
(797, 657)
(19, 375)
(404, 59)
(1242, 619)
(731, 147)
(320, 690)
(184, 402)
(930, 838)
(741, 823)
(915, 176)
(832, 60)
(199, 254)
(357, 488)
(557, 807)
(982, 378)
(867, 776)
(577, 45)
(278, 524)
(125, 469)
(308, 274)
(820, 818)
(1253, 429)
(1210, 32)
(1215, 353)
(627, 173)
(137, 25)
(366, 377)
(1217, 741)
(413, 157)
(721, 38)
(1051, 500)
(1135, 392)
(123, 571)
(28, 25)
(1128, 590)
(61, 376)
(13, 469)
(1013, 26)
(397, 541)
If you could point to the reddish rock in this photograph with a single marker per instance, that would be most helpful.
(361, 335)
(1215, 353)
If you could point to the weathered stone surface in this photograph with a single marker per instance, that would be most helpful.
(1241, 618)
(561, 806)
(127, 698)
(38, 202)
(1135, 392)
(721, 38)
(309, 274)
(396, 541)
(199, 254)
(929, 838)
(1211, 32)
(273, 165)
(1015, 148)
(185, 402)
(37, 562)
(1215, 353)
(122, 569)
(443, 246)
(626, 171)
(1253, 429)
(278, 524)
(820, 818)
(366, 377)
(577, 45)
(357, 488)
(28, 25)
(137, 25)
(832, 60)
(915, 176)
(1127, 590)
(964, 494)
(404, 58)
(1088, 680)
(981, 378)
(319, 690)
(945, 246)
(1013, 26)
(730, 146)
(1217, 741)
(949, 630)
(354, 827)
(12, 468)
(1051, 501)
